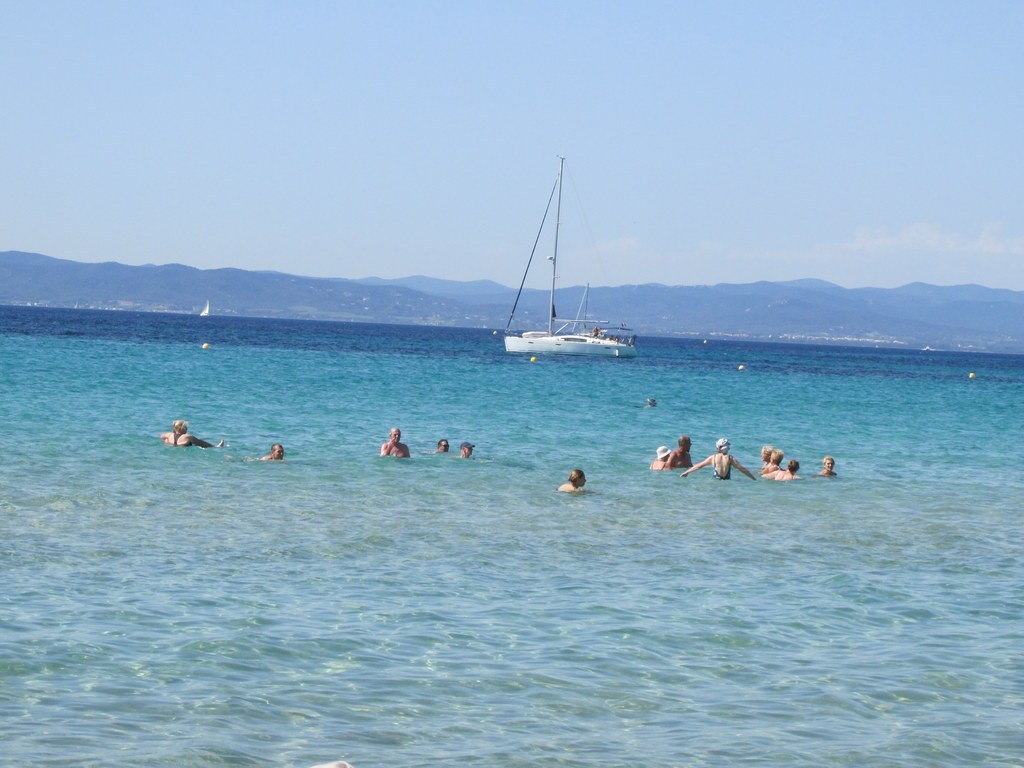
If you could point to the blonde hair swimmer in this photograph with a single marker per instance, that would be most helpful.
(721, 462)
(774, 463)
(575, 482)
(180, 437)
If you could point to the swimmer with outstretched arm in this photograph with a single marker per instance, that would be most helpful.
(721, 461)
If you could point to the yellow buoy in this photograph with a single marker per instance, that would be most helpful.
(533, 359)
(742, 368)
(970, 375)
(206, 345)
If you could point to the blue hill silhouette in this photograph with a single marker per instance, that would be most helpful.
(964, 317)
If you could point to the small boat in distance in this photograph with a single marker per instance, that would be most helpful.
(566, 337)
(206, 310)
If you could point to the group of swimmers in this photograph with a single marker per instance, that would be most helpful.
(722, 462)
(771, 458)
(180, 437)
(395, 447)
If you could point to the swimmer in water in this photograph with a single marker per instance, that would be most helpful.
(680, 457)
(828, 467)
(774, 463)
(789, 473)
(662, 460)
(575, 482)
(179, 437)
(276, 453)
(721, 462)
(394, 446)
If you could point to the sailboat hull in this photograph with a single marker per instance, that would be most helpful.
(540, 343)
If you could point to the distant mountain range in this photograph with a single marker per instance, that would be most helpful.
(965, 317)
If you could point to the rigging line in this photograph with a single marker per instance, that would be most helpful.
(547, 209)
(590, 239)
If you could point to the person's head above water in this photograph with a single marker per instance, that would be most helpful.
(723, 445)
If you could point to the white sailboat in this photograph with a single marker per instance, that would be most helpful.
(206, 310)
(566, 337)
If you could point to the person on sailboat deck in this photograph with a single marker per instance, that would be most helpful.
(721, 462)
(179, 437)
(394, 446)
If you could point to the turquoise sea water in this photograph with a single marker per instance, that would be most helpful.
(187, 608)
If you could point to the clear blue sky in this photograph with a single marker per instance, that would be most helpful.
(865, 143)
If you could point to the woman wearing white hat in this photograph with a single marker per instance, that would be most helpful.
(662, 462)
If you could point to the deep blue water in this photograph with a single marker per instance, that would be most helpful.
(189, 607)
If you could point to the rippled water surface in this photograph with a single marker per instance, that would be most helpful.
(190, 608)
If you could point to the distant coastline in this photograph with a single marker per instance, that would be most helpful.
(711, 335)
(957, 318)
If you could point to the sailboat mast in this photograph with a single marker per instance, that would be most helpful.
(554, 257)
